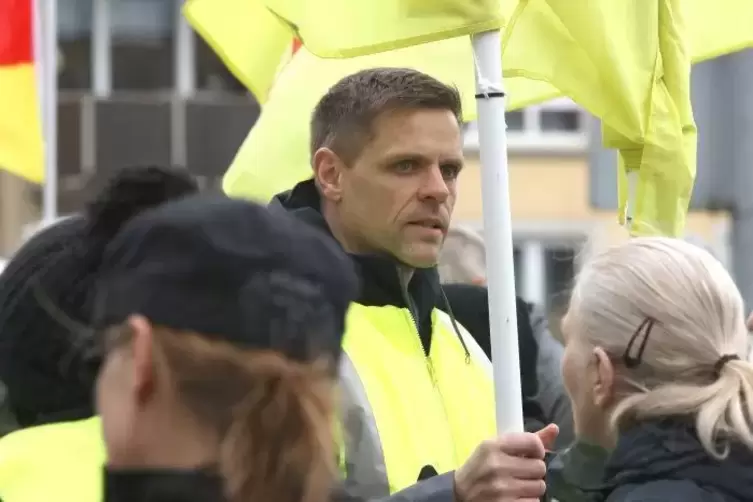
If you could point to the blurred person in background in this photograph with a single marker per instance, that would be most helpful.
(657, 369)
(462, 269)
(418, 400)
(46, 297)
(223, 331)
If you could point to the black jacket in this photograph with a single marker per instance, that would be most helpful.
(665, 462)
(175, 486)
(162, 486)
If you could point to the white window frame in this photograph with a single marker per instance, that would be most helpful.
(577, 235)
(184, 50)
(532, 139)
(587, 234)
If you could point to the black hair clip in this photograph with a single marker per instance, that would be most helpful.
(722, 362)
(644, 329)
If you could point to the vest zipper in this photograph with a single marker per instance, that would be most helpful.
(429, 364)
(427, 358)
(409, 304)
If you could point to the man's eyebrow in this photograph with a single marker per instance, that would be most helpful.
(459, 161)
(400, 156)
(395, 157)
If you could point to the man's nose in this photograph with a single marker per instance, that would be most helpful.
(434, 185)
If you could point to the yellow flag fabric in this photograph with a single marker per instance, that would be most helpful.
(249, 39)
(255, 56)
(348, 28)
(281, 135)
(665, 159)
(719, 27)
(624, 61)
(628, 63)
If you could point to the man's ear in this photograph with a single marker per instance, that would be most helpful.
(328, 173)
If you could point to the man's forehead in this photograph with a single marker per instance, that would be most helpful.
(411, 118)
(417, 133)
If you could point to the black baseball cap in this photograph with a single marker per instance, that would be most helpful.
(232, 270)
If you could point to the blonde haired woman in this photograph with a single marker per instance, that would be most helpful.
(655, 364)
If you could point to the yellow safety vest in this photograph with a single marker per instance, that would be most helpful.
(60, 462)
(403, 411)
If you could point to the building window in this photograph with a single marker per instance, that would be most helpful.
(559, 126)
(74, 44)
(515, 120)
(211, 72)
(560, 120)
(143, 33)
(560, 274)
(545, 270)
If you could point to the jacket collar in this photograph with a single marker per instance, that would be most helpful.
(162, 485)
(670, 449)
(380, 283)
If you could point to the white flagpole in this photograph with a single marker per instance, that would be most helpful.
(46, 56)
(487, 49)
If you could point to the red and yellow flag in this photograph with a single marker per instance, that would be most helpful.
(21, 145)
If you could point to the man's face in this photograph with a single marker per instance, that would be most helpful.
(397, 197)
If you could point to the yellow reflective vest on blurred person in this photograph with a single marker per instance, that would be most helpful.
(59, 462)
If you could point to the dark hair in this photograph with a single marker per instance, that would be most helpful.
(132, 190)
(343, 117)
(46, 296)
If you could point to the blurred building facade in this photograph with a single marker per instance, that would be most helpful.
(137, 86)
(564, 198)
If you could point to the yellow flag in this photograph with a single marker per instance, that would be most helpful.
(249, 39)
(719, 27)
(665, 160)
(254, 55)
(281, 134)
(628, 63)
(348, 28)
(275, 154)
(617, 58)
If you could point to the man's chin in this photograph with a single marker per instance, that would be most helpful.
(420, 260)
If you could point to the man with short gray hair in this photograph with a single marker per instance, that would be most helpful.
(418, 397)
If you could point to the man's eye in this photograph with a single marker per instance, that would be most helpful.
(450, 171)
(405, 166)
